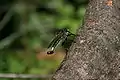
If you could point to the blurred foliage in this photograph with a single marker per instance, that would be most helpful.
(26, 32)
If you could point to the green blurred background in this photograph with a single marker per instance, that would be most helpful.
(26, 29)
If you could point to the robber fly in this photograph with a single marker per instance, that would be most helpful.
(59, 38)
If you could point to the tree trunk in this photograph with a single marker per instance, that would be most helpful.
(96, 51)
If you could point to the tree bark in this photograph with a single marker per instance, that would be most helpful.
(96, 51)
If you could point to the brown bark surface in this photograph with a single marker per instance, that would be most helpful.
(96, 51)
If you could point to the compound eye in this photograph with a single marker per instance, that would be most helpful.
(50, 52)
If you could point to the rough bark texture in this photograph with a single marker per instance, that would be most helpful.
(96, 51)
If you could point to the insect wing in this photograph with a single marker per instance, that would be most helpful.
(55, 41)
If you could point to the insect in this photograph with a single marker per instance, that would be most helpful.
(62, 35)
